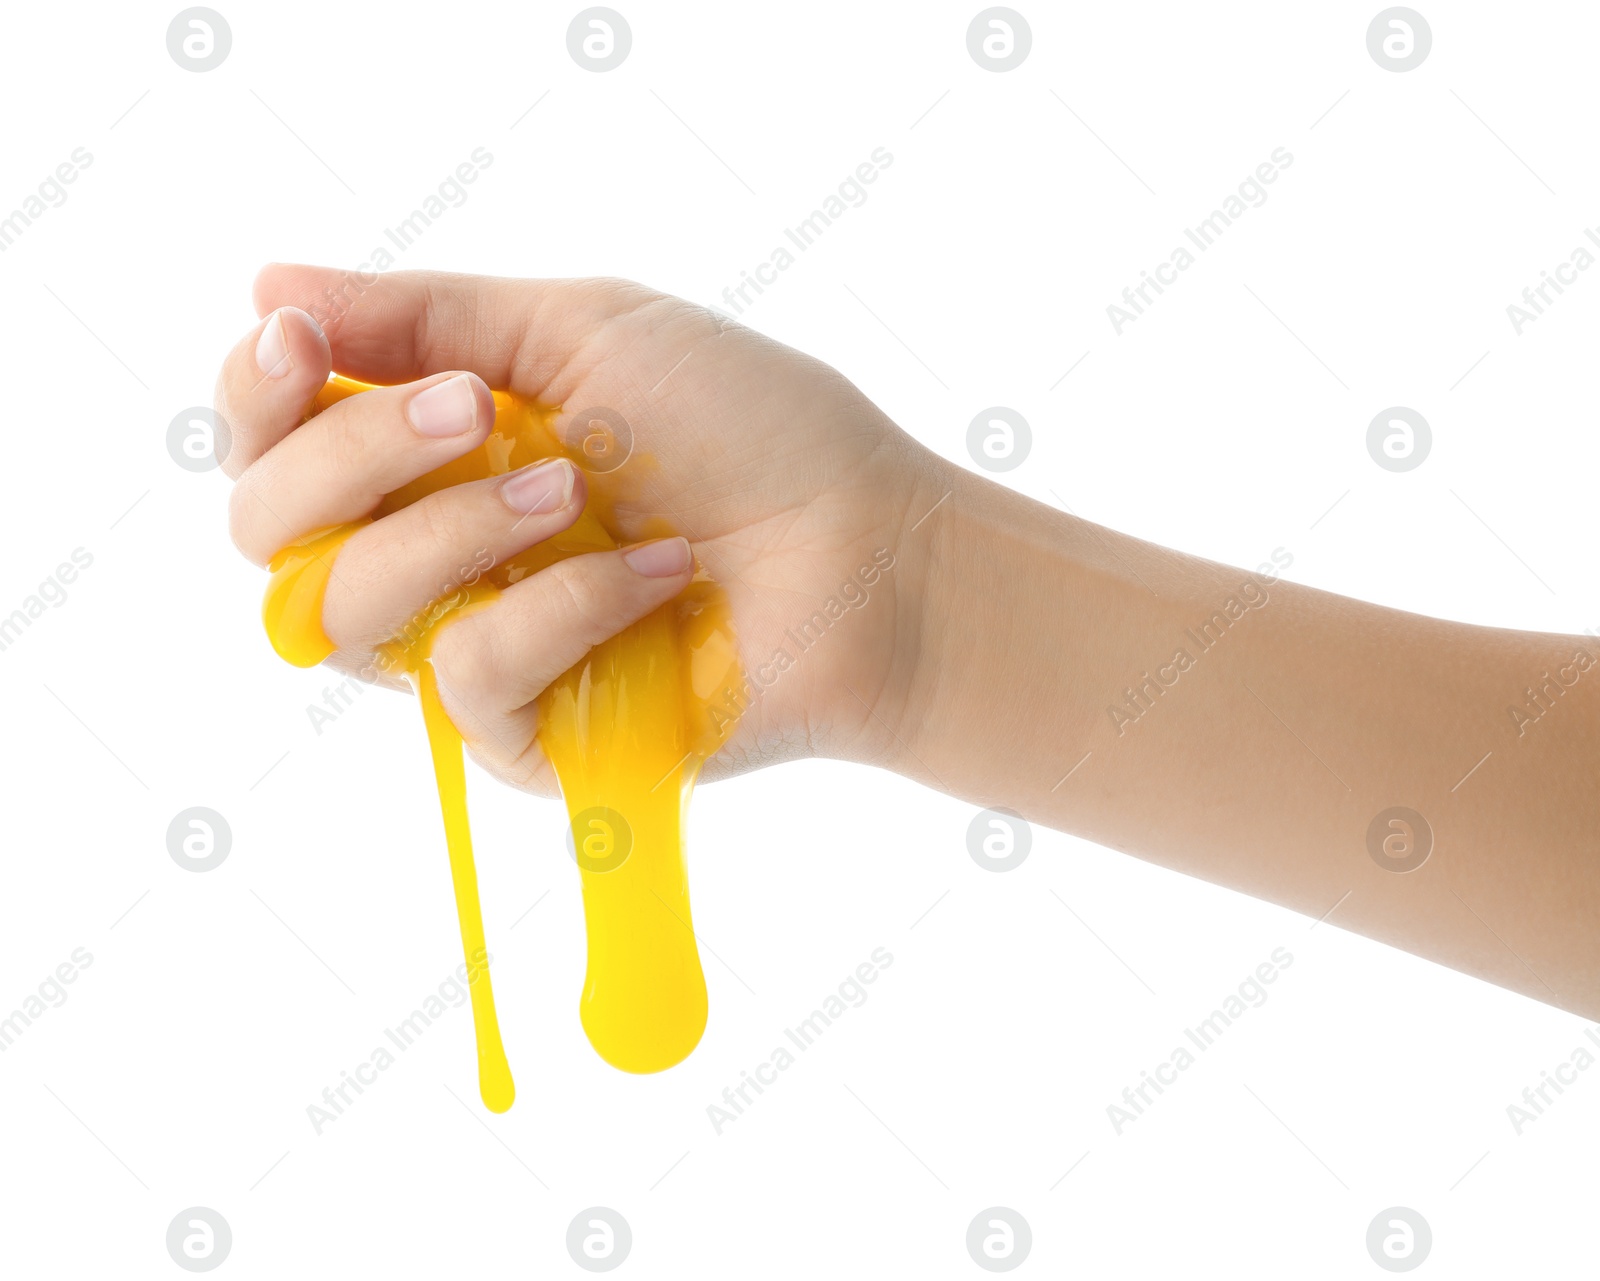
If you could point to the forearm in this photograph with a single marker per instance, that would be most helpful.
(1251, 731)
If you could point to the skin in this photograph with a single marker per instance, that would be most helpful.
(993, 661)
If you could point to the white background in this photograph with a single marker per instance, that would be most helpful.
(179, 1071)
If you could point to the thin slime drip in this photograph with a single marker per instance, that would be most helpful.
(494, 1073)
(627, 730)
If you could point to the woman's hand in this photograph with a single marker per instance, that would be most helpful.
(1255, 732)
(792, 489)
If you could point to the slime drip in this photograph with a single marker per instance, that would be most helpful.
(626, 729)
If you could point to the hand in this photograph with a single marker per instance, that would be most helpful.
(784, 478)
(1004, 656)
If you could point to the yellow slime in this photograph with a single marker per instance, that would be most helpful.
(627, 730)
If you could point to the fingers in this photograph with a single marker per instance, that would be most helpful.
(388, 574)
(395, 326)
(339, 466)
(267, 381)
(492, 664)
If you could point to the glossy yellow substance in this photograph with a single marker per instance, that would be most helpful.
(627, 731)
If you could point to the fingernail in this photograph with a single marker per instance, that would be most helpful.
(445, 409)
(664, 558)
(272, 348)
(544, 487)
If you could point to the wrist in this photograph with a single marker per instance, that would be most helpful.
(927, 523)
(997, 677)
(941, 560)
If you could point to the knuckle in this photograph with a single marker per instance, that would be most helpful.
(584, 604)
(464, 656)
(441, 519)
(346, 448)
(622, 297)
(238, 456)
(619, 287)
(241, 518)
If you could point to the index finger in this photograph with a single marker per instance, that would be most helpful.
(518, 335)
